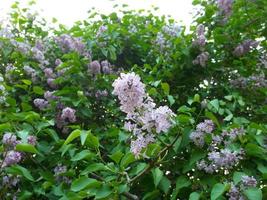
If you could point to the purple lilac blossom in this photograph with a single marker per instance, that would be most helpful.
(49, 95)
(249, 181)
(94, 67)
(68, 114)
(130, 91)
(201, 59)
(31, 139)
(12, 157)
(9, 139)
(41, 103)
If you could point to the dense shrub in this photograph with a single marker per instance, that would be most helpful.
(131, 106)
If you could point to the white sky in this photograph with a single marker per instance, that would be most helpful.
(69, 11)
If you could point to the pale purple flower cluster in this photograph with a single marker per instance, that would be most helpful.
(38, 55)
(49, 73)
(31, 139)
(143, 118)
(101, 30)
(172, 30)
(106, 67)
(245, 47)
(254, 81)
(140, 143)
(10, 181)
(101, 93)
(221, 159)
(130, 91)
(41, 103)
(234, 193)
(162, 42)
(49, 95)
(12, 157)
(68, 43)
(64, 117)
(249, 181)
(233, 133)
(96, 68)
(51, 83)
(201, 59)
(23, 47)
(200, 40)
(225, 7)
(58, 171)
(68, 114)
(58, 62)
(3, 92)
(202, 129)
(9, 140)
(30, 72)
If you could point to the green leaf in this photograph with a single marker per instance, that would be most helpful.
(103, 192)
(82, 155)
(194, 196)
(26, 148)
(215, 104)
(165, 184)
(92, 140)
(181, 182)
(127, 159)
(212, 117)
(38, 90)
(83, 136)
(117, 156)
(217, 190)
(26, 82)
(74, 134)
(19, 170)
(93, 168)
(166, 88)
(157, 176)
(253, 194)
(83, 182)
(171, 100)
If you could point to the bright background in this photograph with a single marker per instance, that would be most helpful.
(69, 11)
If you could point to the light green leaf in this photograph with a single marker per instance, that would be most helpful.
(26, 148)
(83, 182)
(74, 134)
(217, 190)
(194, 196)
(253, 194)
(157, 176)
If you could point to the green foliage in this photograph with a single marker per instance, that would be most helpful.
(89, 157)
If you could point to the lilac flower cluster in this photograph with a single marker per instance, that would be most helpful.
(254, 81)
(235, 191)
(64, 117)
(225, 7)
(10, 141)
(221, 159)
(200, 40)
(101, 30)
(58, 171)
(3, 92)
(162, 42)
(68, 43)
(101, 93)
(143, 118)
(172, 30)
(49, 95)
(10, 181)
(68, 114)
(202, 129)
(41, 103)
(201, 59)
(249, 181)
(96, 68)
(245, 47)
(30, 72)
